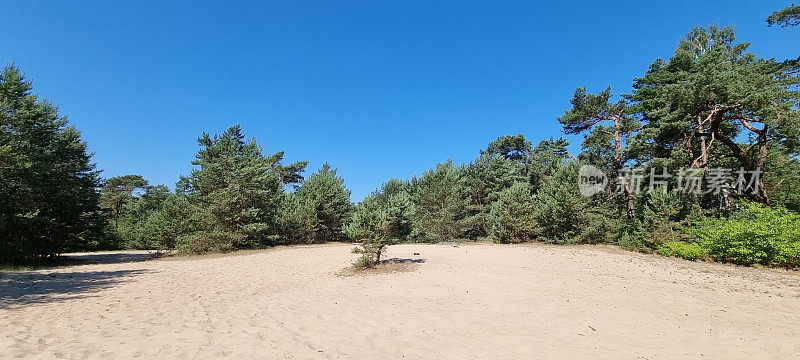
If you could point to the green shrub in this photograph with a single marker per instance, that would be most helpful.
(684, 250)
(633, 238)
(753, 235)
(209, 241)
(662, 217)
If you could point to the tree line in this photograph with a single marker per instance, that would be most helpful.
(712, 106)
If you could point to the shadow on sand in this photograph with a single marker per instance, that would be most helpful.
(26, 288)
(403, 261)
(388, 266)
(112, 258)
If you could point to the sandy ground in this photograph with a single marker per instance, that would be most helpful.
(456, 302)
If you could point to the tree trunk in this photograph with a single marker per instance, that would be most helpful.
(618, 167)
(760, 163)
(703, 147)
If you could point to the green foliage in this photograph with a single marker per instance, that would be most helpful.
(566, 216)
(512, 217)
(786, 17)
(664, 215)
(783, 179)
(547, 157)
(298, 220)
(712, 88)
(157, 218)
(633, 238)
(605, 126)
(117, 190)
(378, 222)
(48, 184)
(237, 192)
(753, 235)
(684, 250)
(481, 182)
(440, 206)
(209, 241)
(319, 209)
(511, 147)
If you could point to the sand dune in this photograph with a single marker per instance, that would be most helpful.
(472, 301)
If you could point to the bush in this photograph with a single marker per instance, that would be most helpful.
(662, 217)
(684, 250)
(209, 241)
(511, 217)
(633, 238)
(753, 235)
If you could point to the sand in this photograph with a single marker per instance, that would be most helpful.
(471, 301)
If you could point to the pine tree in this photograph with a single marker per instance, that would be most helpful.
(481, 182)
(327, 198)
(379, 222)
(48, 185)
(141, 223)
(786, 17)
(299, 222)
(606, 127)
(440, 206)
(239, 188)
(511, 147)
(566, 216)
(546, 158)
(117, 190)
(512, 217)
(710, 95)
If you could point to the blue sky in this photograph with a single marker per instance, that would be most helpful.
(379, 89)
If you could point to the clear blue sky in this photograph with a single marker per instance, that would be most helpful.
(379, 89)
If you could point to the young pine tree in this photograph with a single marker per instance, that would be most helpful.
(378, 223)
(546, 158)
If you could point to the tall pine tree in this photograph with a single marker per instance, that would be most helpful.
(48, 184)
